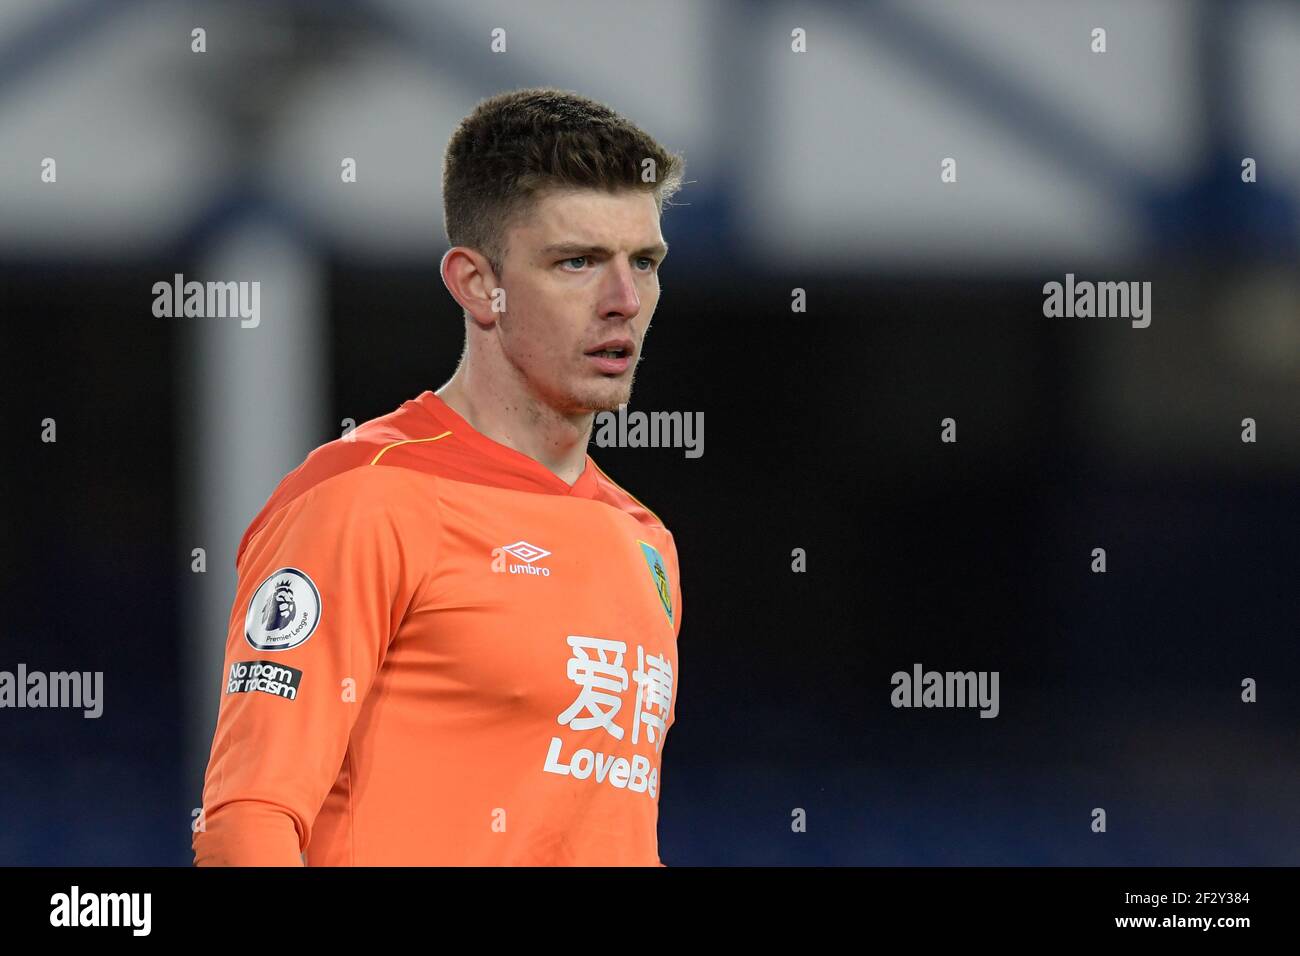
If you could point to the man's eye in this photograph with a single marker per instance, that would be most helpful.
(578, 259)
(649, 263)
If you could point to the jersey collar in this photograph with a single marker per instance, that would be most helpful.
(584, 487)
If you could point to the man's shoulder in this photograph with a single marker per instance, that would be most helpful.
(343, 468)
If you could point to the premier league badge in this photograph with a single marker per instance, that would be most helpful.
(284, 611)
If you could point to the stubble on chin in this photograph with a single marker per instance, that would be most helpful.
(607, 398)
(596, 395)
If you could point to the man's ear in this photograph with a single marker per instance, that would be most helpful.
(470, 279)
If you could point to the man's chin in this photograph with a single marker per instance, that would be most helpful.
(604, 400)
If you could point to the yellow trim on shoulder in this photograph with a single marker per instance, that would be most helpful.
(629, 494)
(408, 441)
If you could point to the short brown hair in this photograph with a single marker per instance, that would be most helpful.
(514, 146)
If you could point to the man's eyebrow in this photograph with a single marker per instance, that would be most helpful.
(579, 248)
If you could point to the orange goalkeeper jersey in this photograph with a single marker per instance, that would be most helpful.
(442, 654)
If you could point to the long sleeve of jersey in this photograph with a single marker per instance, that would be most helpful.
(323, 585)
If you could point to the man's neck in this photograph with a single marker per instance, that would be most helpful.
(524, 424)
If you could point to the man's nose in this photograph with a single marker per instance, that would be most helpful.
(621, 297)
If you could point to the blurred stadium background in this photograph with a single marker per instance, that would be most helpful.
(817, 171)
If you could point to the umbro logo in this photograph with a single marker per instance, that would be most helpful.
(525, 552)
(529, 554)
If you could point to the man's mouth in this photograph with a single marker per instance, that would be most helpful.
(613, 356)
(613, 348)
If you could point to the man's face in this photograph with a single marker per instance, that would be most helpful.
(580, 272)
